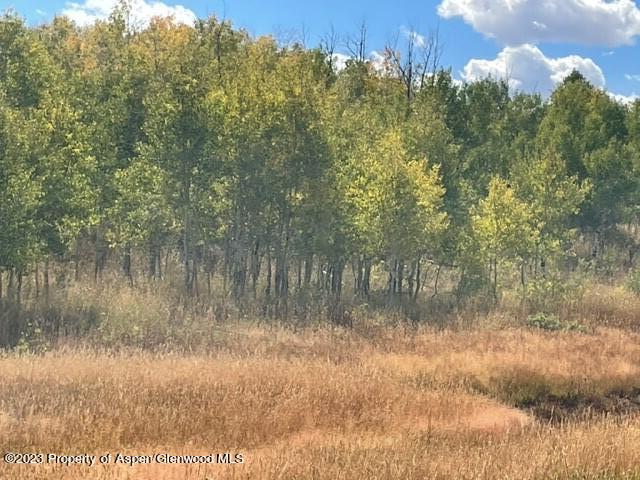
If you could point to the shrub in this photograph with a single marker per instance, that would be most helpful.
(554, 291)
(633, 281)
(553, 323)
(33, 339)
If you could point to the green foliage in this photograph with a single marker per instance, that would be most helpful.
(20, 195)
(203, 144)
(140, 213)
(555, 289)
(395, 202)
(545, 322)
(502, 230)
(552, 323)
(633, 281)
(554, 197)
(587, 129)
(33, 339)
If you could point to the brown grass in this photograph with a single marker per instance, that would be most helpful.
(333, 404)
(611, 305)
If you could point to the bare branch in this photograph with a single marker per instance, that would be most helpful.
(357, 46)
(417, 62)
(328, 45)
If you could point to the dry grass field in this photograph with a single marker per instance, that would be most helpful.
(380, 403)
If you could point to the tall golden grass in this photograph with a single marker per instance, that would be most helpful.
(329, 403)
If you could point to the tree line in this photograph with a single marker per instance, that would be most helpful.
(267, 169)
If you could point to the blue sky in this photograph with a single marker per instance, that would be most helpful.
(532, 43)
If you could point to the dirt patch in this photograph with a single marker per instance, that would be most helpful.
(557, 409)
(497, 419)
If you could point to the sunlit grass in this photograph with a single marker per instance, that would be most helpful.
(330, 403)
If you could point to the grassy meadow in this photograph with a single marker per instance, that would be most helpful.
(486, 396)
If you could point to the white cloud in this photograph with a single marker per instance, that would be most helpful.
(624, 99)
(514, 22)
(378, 61)
(418, 40)
(340, 61)
(142, 11)
(527, 68)
(42, 13)
(634, 77)
(375, 59)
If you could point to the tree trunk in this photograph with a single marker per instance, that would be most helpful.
(299, 275)
(19, 289)
(186, 234)
(100, 259)
(392, 278)
(194, 278)
(166, 262)
(435, 284)
(159, 260)
(400, 277)
(76, 275)
(411, 280)
(267, 290)
(226, 268)
(10, 286)
(495, 279)
(523, 281)
(336, 277)
(256, 261)
(36, 274)
(126, 264)
(185, 253)
(239, 275)
(356, 268)
(282, 281)
(366, 281)
(418, 273)
(308, 269)
(153, 262)
(46, 280)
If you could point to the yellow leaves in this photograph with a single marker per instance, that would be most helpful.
(395, 202)
(503, 223)
(216, 97)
